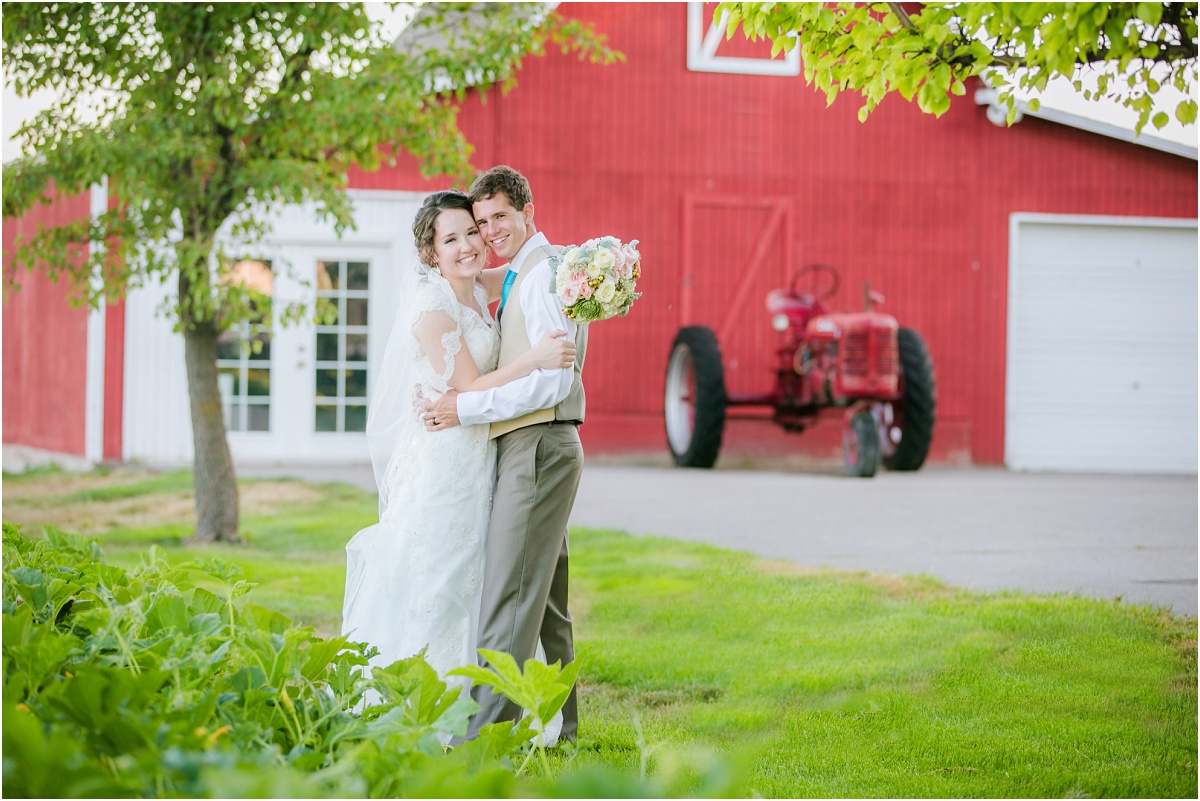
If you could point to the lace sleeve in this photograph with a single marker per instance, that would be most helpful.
(437, 338)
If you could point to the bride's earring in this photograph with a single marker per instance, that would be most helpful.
(436, 268)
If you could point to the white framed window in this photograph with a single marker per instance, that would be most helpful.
(244, 359)
(704, 36)
(340, 369)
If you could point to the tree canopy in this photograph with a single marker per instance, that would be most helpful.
(203, 115)
(1126, 51)
(206, 117)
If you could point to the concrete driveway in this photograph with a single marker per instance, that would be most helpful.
(1130, 537)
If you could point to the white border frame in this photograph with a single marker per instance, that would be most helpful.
(1015, 220)
(702, 51)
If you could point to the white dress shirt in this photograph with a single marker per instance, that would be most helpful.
(541, 389)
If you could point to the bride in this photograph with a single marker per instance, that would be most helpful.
(413, 579)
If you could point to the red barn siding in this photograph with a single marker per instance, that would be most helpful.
(916, 205)
(45, 347)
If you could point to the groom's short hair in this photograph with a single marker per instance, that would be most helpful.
(502, 179)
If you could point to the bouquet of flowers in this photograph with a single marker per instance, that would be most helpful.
(596, 280)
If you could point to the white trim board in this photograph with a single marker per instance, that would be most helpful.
(702, 47)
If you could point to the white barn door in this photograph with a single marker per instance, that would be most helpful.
(303, 397)
(1101, 373)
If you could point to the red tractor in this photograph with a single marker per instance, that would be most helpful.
(877, 374)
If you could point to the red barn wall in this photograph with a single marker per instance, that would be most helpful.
(45, 346)
(918, 206)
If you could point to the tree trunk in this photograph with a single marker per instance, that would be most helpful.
(215, 481)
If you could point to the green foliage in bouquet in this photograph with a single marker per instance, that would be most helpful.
(141, 682)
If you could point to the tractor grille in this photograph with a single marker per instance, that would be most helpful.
(869, 360)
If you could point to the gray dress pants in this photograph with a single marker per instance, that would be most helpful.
(525, 568)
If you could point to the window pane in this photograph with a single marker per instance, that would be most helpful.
(327, 384)
(356, 275)
(258, 382)
(327, 275)
(327, 311)
(356, 311)
(356, 384)
(265, 353)
(326, 418)
(356, 348)
(229, 382)
(260, 417)
(229, 347)
(356, 418)
(327, 347)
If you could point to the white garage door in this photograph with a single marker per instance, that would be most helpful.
(1101, 345)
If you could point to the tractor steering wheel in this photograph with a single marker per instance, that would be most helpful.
(815, 269)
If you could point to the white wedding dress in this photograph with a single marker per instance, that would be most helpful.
(414, 579)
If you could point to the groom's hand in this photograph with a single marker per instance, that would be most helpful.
(442, 413)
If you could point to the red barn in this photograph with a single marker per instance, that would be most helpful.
(1051, 266)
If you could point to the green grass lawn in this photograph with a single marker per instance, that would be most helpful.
(816, 683)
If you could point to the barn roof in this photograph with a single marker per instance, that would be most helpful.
(1061, 103)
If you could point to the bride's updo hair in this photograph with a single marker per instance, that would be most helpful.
(431, 209)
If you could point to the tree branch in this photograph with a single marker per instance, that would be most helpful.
(902, 15)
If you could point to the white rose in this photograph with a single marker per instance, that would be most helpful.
(594, 270)
(604, 259)
(606, 292)
(571, 256)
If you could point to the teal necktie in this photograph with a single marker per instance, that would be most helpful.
(509, 278)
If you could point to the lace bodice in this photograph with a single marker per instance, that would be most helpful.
(460, 446)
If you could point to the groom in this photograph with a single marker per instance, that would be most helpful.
(534, 421)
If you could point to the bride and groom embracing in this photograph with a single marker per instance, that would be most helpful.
(465, 405)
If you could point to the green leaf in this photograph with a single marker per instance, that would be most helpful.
(1185, 112)
(1150, 12)
(319, 654)
(1161, 119)
(455, 718)
(261, 618)
(503, 664)
(208, 624)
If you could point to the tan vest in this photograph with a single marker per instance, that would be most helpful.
(514, 341)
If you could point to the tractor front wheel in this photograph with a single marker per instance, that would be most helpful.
(914, 414)
(694, 403)
(861, 445)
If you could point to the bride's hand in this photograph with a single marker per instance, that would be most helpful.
(553, 352)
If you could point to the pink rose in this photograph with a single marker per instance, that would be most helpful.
(570, 294)
(619, 260)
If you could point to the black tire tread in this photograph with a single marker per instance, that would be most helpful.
(919, 403)
(867, 433)
(710, 397)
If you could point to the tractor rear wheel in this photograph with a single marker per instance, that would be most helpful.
(694, 403)
(914, 414)
(861, 446)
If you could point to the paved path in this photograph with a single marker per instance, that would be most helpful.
(1132, 537)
